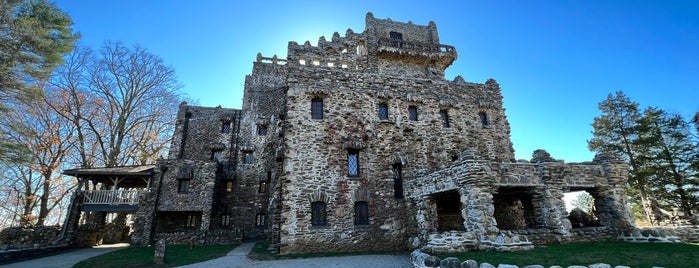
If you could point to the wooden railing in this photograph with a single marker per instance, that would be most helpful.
(112, 197)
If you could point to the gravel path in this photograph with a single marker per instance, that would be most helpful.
(238, 258)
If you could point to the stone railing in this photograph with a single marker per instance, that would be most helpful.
(416, 46)
(111, 197)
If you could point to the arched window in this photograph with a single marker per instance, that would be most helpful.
(318, 214)
(361, 213)
(317, 108)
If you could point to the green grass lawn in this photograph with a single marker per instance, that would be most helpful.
(614, 253)
(177, 255)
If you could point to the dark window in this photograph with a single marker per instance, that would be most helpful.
(225, 220)
(262, 130)
(383, 111)
(225, 127)
(397, 181)
(263, 187)
(484, 119)
(216, 155)
(353, 162)
(183, 186)
(247, 157)
(318, 214)
(317, 108)
(361, 213)
(412, 113)
(260, 220)
(445, 118)
(396, 39)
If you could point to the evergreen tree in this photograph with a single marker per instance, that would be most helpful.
(669, 157)
(615, 133)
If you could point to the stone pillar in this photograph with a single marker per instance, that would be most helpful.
(160, 252)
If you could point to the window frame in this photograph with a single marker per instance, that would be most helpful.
(444, 114)
(398, 191)
(260, 219)
(383, 111)
(413, 113)
(319, 214)
(225, 126)
(317, 107)
(483, 117)
(353, 163)
(183, 185)
(361, 213)
(248, 157)
(262, 130)
(225, 220)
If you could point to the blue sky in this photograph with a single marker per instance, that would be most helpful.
(554, 60)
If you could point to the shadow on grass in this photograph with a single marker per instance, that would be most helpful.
(177, 255)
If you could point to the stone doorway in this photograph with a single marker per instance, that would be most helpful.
(514, 208)
(449, 216)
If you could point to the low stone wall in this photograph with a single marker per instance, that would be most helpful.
(459, 241)
(662, 235)
(31, 237)
(424, 260)
(592, 234)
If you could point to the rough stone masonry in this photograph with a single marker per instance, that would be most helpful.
(360, 143)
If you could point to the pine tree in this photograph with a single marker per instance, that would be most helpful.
(615, 133)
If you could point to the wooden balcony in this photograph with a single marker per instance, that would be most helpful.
(111, 200)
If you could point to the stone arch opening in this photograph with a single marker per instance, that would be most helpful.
(449, 216)
(516, 208)
(582, 206)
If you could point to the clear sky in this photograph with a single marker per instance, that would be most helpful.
(554, 60)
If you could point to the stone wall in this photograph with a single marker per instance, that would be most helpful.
(29, 237)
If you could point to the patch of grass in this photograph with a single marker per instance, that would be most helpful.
(614, 253)
(260, 252)
(177, 255)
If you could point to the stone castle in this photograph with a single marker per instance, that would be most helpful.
(358, 143)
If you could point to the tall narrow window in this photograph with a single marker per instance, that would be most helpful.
(353, 162)
(445, 118)
(397, 181)
(183, 186)
(318, 214)
(247, 157)
(263, 187)
(412, 113)
(484, 119)
(383, 111)
(396, 39)
(361, 213)
(225, 126)
(317, 108)
(260, 220)
(229, 186)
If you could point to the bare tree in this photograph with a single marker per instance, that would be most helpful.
(48, 136)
